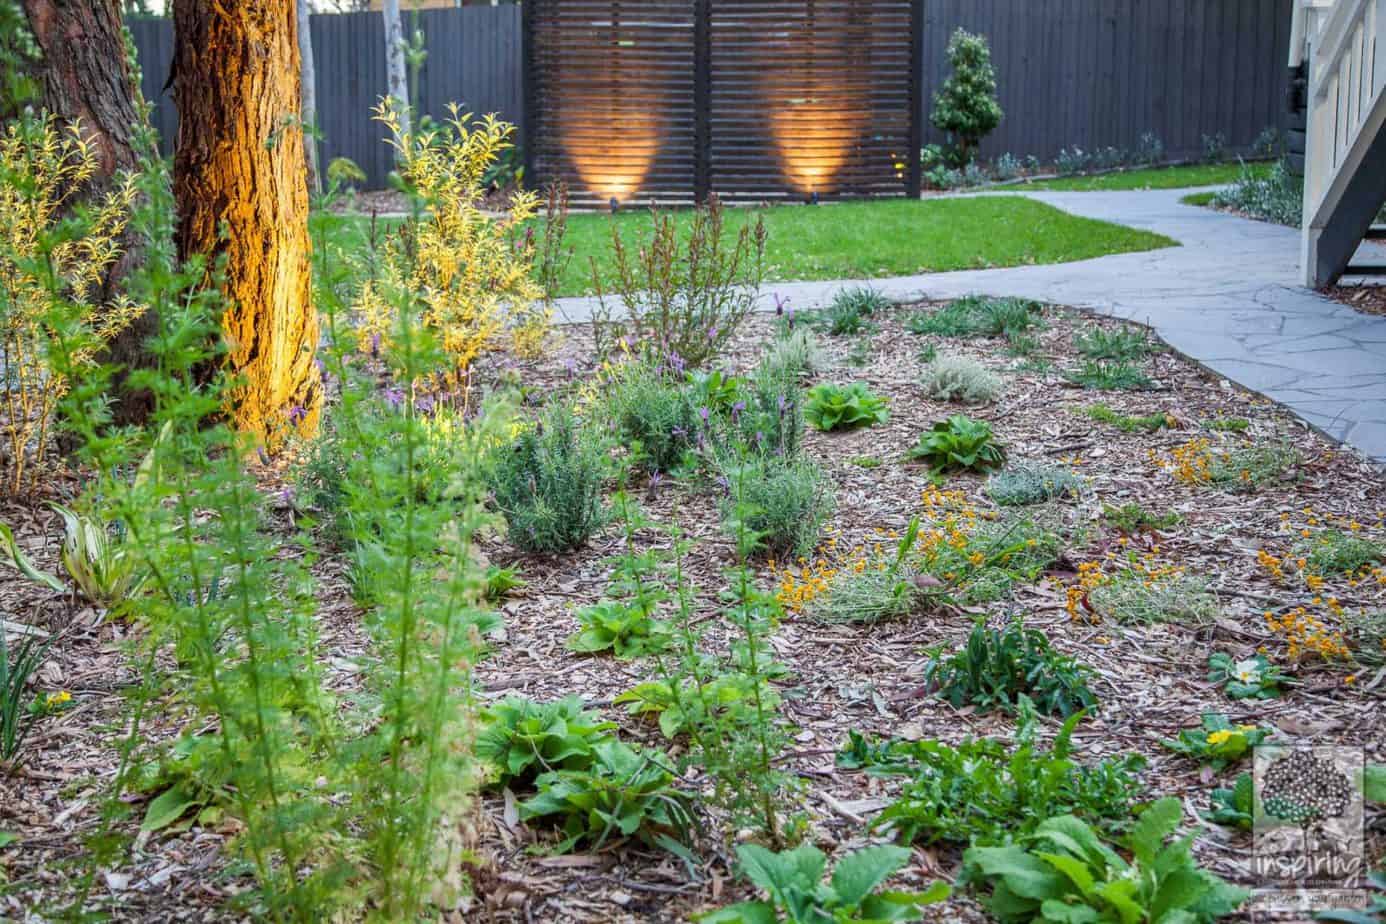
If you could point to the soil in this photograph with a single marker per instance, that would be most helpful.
(1151, 680)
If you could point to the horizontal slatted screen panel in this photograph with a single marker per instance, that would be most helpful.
(612, 98)
(810, 96)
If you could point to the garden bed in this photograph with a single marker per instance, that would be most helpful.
(1150, 678)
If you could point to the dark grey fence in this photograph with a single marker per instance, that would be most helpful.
(1097, 73)
(1091, 73)
(474, 60)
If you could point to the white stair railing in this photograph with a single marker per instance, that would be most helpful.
(1347, 76)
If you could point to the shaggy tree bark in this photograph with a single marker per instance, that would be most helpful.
(309, 111)
(85, 79)
(239, 168)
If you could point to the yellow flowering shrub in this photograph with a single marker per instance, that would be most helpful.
(50, 281)
(468, 272)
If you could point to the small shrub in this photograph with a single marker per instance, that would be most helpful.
(1150, 150)
(1227, 424)
(1133, 518)
(979, 316)
(1123, 343)
(1127, 424)
(682, 302)
(1250, 467)
(1214, 148)
(1109, 158)
(548, 483)
(927, 353)
(983, 792)
(1366, 633)
(1143, 593)
(793, 884)
(1269, 144)
(873, 592)
(53, 263)
(1071, 161)
(1025, 483)
(771, 420)
(794, 355)
(623, 793)
(1022, 346)
(1217, 743)
(655, 417)
(996, 666)
(440, 259)
(1332, 551)
(1064, 872)
(519, 738)
(844, 407)
(783, 502)
(849, 313)
(1277, 197)
(1251, 678)
(960, 379)
(958, 444)
(965, 107)
(1007, 167)
(1110, 376)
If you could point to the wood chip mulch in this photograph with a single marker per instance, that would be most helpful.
(1150, 679)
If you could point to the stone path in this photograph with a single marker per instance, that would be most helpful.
(1228, 297)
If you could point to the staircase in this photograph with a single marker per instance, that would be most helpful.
(1343, 44)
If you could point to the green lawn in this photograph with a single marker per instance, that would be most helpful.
(885, 237)
(1151, 178)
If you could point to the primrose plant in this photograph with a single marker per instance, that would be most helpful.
(795, 892)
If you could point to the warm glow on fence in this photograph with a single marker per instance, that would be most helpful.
(815, 123)
(612, 150)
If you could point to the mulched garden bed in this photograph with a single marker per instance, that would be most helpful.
(1150, 679)
(1370, 299)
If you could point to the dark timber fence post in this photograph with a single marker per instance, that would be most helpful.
(915, 176)
(527, 56)
(702, 99)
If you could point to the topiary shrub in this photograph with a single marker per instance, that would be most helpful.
(966, 106)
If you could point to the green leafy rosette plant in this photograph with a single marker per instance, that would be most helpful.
(958, 444)
(844, 407)
(795, 892)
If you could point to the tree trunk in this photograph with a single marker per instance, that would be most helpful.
(239, 166)
(309, 111)
(396, 68)
(84, 78)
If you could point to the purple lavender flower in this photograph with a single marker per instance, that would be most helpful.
(783, 405)
(424, 404)
(780, 303)
(375, 344)
(736, 410)
(394, 397)
(704, 413)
